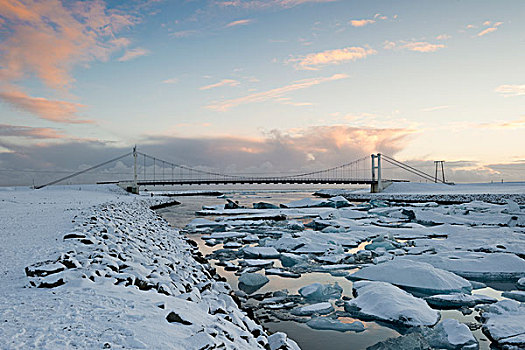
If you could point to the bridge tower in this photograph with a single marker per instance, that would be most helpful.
(378, 185)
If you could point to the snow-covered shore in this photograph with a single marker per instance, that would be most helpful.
(94, 267)
(439, 193)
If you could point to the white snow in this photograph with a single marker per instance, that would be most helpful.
(504, 322)
(128, 280)
(386, 302)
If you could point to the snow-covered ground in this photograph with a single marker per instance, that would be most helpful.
(427, 192)
(94, 267)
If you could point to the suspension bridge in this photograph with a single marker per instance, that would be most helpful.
(152, 171)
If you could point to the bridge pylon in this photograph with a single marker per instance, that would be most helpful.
(378, 185)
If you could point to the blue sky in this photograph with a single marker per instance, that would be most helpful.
(423, 80)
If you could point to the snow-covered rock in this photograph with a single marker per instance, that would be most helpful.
(280, 341)
(414, 276)
(386, 302)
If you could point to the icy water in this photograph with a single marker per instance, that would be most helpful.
(307, 338)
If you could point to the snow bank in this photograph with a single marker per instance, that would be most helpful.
(111, 274)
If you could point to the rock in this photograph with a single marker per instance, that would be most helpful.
(327, 323)
(175, 318)
(414, 276)
(250, 282)
(385, 302)
(319, 308)
(321, 292)
(450, 334)
(518, 295)
(457, 300)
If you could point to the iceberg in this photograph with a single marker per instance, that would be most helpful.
(328, 323)
(321, 292)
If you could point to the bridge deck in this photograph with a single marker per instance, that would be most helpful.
(261, 181)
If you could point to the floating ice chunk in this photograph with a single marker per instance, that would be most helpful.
(352, 214)
(504, 322)
(321, 292)
(458, 300)
(414, 276)
(331, 258)
(521, 283)
(307, 203)
(282, 273)
(319, 308)
(289, 260)
(410, 341)
(512, 207)
(518, 295)
(264, 205)
(280, 341)
(256, 263)
(328, 323)
(250, 282)
(260, 252)
(225, 235)
(313, 248)
(450, 334)
(384, 301)
(232, 245)
(339, 202)
(285, 244)
(380, 242)
(382, 259)
(476, 265)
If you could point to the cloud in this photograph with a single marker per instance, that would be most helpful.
(133, 53)
(443, 37)
(313, 60)
(183, 33)
(47, 38)
(263, 4)
(486, 31)
(240, 22)
(223, 82)
(491, 29)
(273, 94)
(513, 124)
(361, 22)
(418, 46)
(170, 81)
(511, 90)
(55, 111)
(29, 132)
(276, 151)
(432, 109)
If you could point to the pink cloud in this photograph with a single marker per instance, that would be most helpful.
(29, 132)
(486, 31)
(55, 111)
(133, 53)
(47, 38)
(273, 94)
(313, 60)
(223, 82)
(240, 22)
(418, 46)
(361, 22)
(511, 90)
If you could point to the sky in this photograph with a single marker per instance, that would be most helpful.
(263, 85)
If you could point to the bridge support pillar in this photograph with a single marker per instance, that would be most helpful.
(377, 185)
(129, 186)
